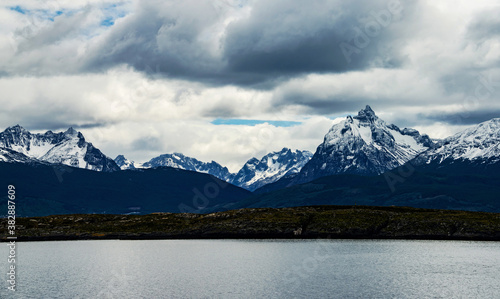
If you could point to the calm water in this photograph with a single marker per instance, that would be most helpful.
(255, 269)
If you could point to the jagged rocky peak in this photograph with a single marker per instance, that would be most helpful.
(252, 161)
(366, 114)
(371, 129)
(253, 174)
(14, 134)
(10, 156)
(270, 168)
(363, 144)
(125, 163)
(120, 158)
(68, 148)
(479, 143)
(178, 160)
(16, 129)
(72, 132)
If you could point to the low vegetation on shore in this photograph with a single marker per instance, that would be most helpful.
(300, 222)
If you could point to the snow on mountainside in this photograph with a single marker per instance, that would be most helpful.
(479, 143)
(254, 174)
(365, 145)
(8, 155)
(272, 167)
(68, 148)
(125, 163)
(178, 160)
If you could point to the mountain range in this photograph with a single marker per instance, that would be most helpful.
(361, 159)
(272, 167)
(362, 145)
(480, 144)
(177, 160)
(254, 174)
(351, 148)
(70, 148)
(67, 148)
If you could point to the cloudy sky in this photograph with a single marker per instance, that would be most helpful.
(226, 80)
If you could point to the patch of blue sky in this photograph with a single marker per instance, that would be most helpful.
(108, 22)
(253, 122)
(113, 12)
(40, 13)
(19, 9)
(55, 14)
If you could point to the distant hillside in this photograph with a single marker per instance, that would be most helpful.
(47, 189)
(459, 186)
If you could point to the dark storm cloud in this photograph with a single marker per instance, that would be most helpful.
(323, 106)
(278, 40)
(464, 117)
(284, 37)
(89, 125)
(159, 38)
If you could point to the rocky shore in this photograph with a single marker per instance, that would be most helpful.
(346, 222)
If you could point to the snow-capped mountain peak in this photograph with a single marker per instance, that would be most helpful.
(72, 133)
(254, 174)
(366, 115)
(125, 163)
(372, 131)
(481, 142)
(178, 160)
(17, 129)
(8, 155)
(68, 148)
(272, 167)
(364, 144)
